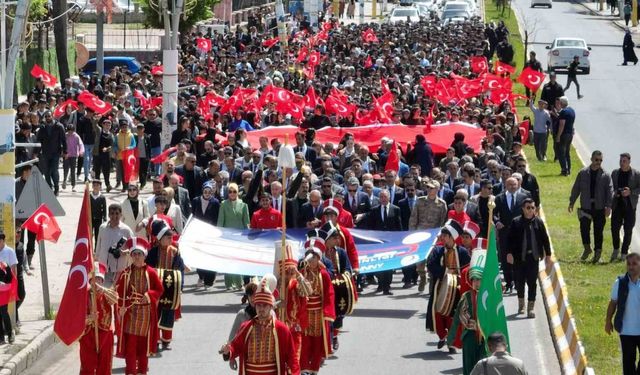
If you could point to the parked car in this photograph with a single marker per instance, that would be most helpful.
(546, 3)
(458, 5)
(562, 52)
(129, 63)
(454, 16)
(403, 14)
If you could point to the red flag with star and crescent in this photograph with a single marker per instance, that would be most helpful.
(130, 164)
(203, 44)
(72, 313)
(502, 68)
(369, 36)
(479, 64)
(43, 224)
(94, 103)
(47, 78)
(531, 78)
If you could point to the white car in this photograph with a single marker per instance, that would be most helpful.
(562, 52)
(546, 3)
(403, 14)
(454, 16)
(458, 5)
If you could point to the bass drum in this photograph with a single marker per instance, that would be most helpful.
(345, 294)
(172, 283)
(447, 294)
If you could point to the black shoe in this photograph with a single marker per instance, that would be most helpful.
(335, 344)
(407, 285)
(108, 188)
(12, 339)
(378, 289)
(624, 63)
(452, 350)
(166, 346)
(441, 344)
(387, 293)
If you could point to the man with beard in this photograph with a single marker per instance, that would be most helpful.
(52, 139)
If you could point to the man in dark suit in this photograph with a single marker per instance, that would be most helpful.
(311, 212)
(444, 192)
(356, 202)
(206, 208)
(508, 206)
(193, 176)
(468, 182)
(180, 196)
(451, 179)
(385, 217)
(406, 206)
(308, 152)
(529, 181)
(144, 154)
(395, 192)
(235, 173)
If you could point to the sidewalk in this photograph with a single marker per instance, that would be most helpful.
(615, 18)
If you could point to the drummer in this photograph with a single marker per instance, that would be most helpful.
(443, 263)
(341, 269)
(166, 256)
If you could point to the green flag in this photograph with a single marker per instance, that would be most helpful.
(491, 314)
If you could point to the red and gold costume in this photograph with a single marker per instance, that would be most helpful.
(296, 317)
(98, 361)
(316, 338)
(139, 288)
(268, 218)
(264, 348)
(345, 219)
(347, 243)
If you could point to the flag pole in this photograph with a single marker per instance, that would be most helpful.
(94, 289)
(491, 205)
(283, 247)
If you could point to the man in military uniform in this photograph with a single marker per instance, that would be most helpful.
(445, 261)
(429, 212)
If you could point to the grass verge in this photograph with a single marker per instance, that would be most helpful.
(47, 59)
(588, 285)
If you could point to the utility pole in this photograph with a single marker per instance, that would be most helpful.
(14, 49)
(170, 69)
(361, 3)
(100, 43)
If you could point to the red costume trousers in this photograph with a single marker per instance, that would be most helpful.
(311, 353)
(94, 362)
(442, 323)
(297, 343)
(135, 355)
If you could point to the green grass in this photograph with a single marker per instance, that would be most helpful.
(47, 59)
(588, 285)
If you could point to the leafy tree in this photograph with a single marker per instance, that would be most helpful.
(201, 10)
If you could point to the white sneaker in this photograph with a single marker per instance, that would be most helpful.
(200, 283)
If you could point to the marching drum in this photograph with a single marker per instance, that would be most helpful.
(446, 294)
(345, 294)
(172, 283)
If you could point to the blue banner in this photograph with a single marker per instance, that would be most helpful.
(252, 252)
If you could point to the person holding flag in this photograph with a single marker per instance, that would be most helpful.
(473, 343)
(444, 263)
(125, 140)
(96, 353)
(139, 288)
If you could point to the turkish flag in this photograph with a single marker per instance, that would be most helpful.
(144, 102)
(59, 111)
(384, 85)
(94, 103)
(130, 164)
(369, 36)
(531, 78)
(204, 110)
(234, 102)
(479, 64)
(72, 313)
(308, 72)
(326, 26)
(157, 70)
(294, 109)
(384, 106)
(43, 224)
(314, 59)
(163, 156)
(46, 77)
(368, 63)
(8, 292)
(366, 117)
(302, 54)
(336, 106)
(202, 82)
(311, 99)
(502, 68)
(468, 88)
(428, 83)
(269, 43)
(215, 100)
(498, 96)
(203, 44)
(338, 94)
(393, 161)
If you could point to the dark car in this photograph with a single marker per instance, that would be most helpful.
(128, 63)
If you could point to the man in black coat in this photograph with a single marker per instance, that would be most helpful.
(53, 141)
(385, 217)
(410, 273)
(508, 204)
(356, 202)
(193, 176)
(552, 90)
(311, 212)
(528, 243)
(529, 181)
(309, 153)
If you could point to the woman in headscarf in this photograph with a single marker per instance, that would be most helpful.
(627, 48)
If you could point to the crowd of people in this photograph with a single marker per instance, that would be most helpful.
(336, 76)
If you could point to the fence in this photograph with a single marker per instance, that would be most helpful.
(143, 39)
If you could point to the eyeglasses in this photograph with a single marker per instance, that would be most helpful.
(352, 190)
(233, 192)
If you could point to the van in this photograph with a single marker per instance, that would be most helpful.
(128, 63)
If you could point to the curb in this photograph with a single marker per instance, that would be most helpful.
(594, 13)
(26, 357)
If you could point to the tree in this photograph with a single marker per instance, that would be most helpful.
(198, 11)
(529, 29)
(60, 30)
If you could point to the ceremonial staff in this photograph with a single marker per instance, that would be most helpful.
(286, 159)
(94, 297)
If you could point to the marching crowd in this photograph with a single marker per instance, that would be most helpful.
(341, 75)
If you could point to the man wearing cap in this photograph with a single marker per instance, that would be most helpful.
(53, 145)
(139, 289)
(266, 217)
(331, 212)
(165, 256)
(264, 343)
(447, 258)
(466, 317)
(98, 360)
(316, 338)
(429, 212)
(124, 141)
(528, 244)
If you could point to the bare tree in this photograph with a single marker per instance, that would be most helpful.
(529, 29)
(60, 31)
